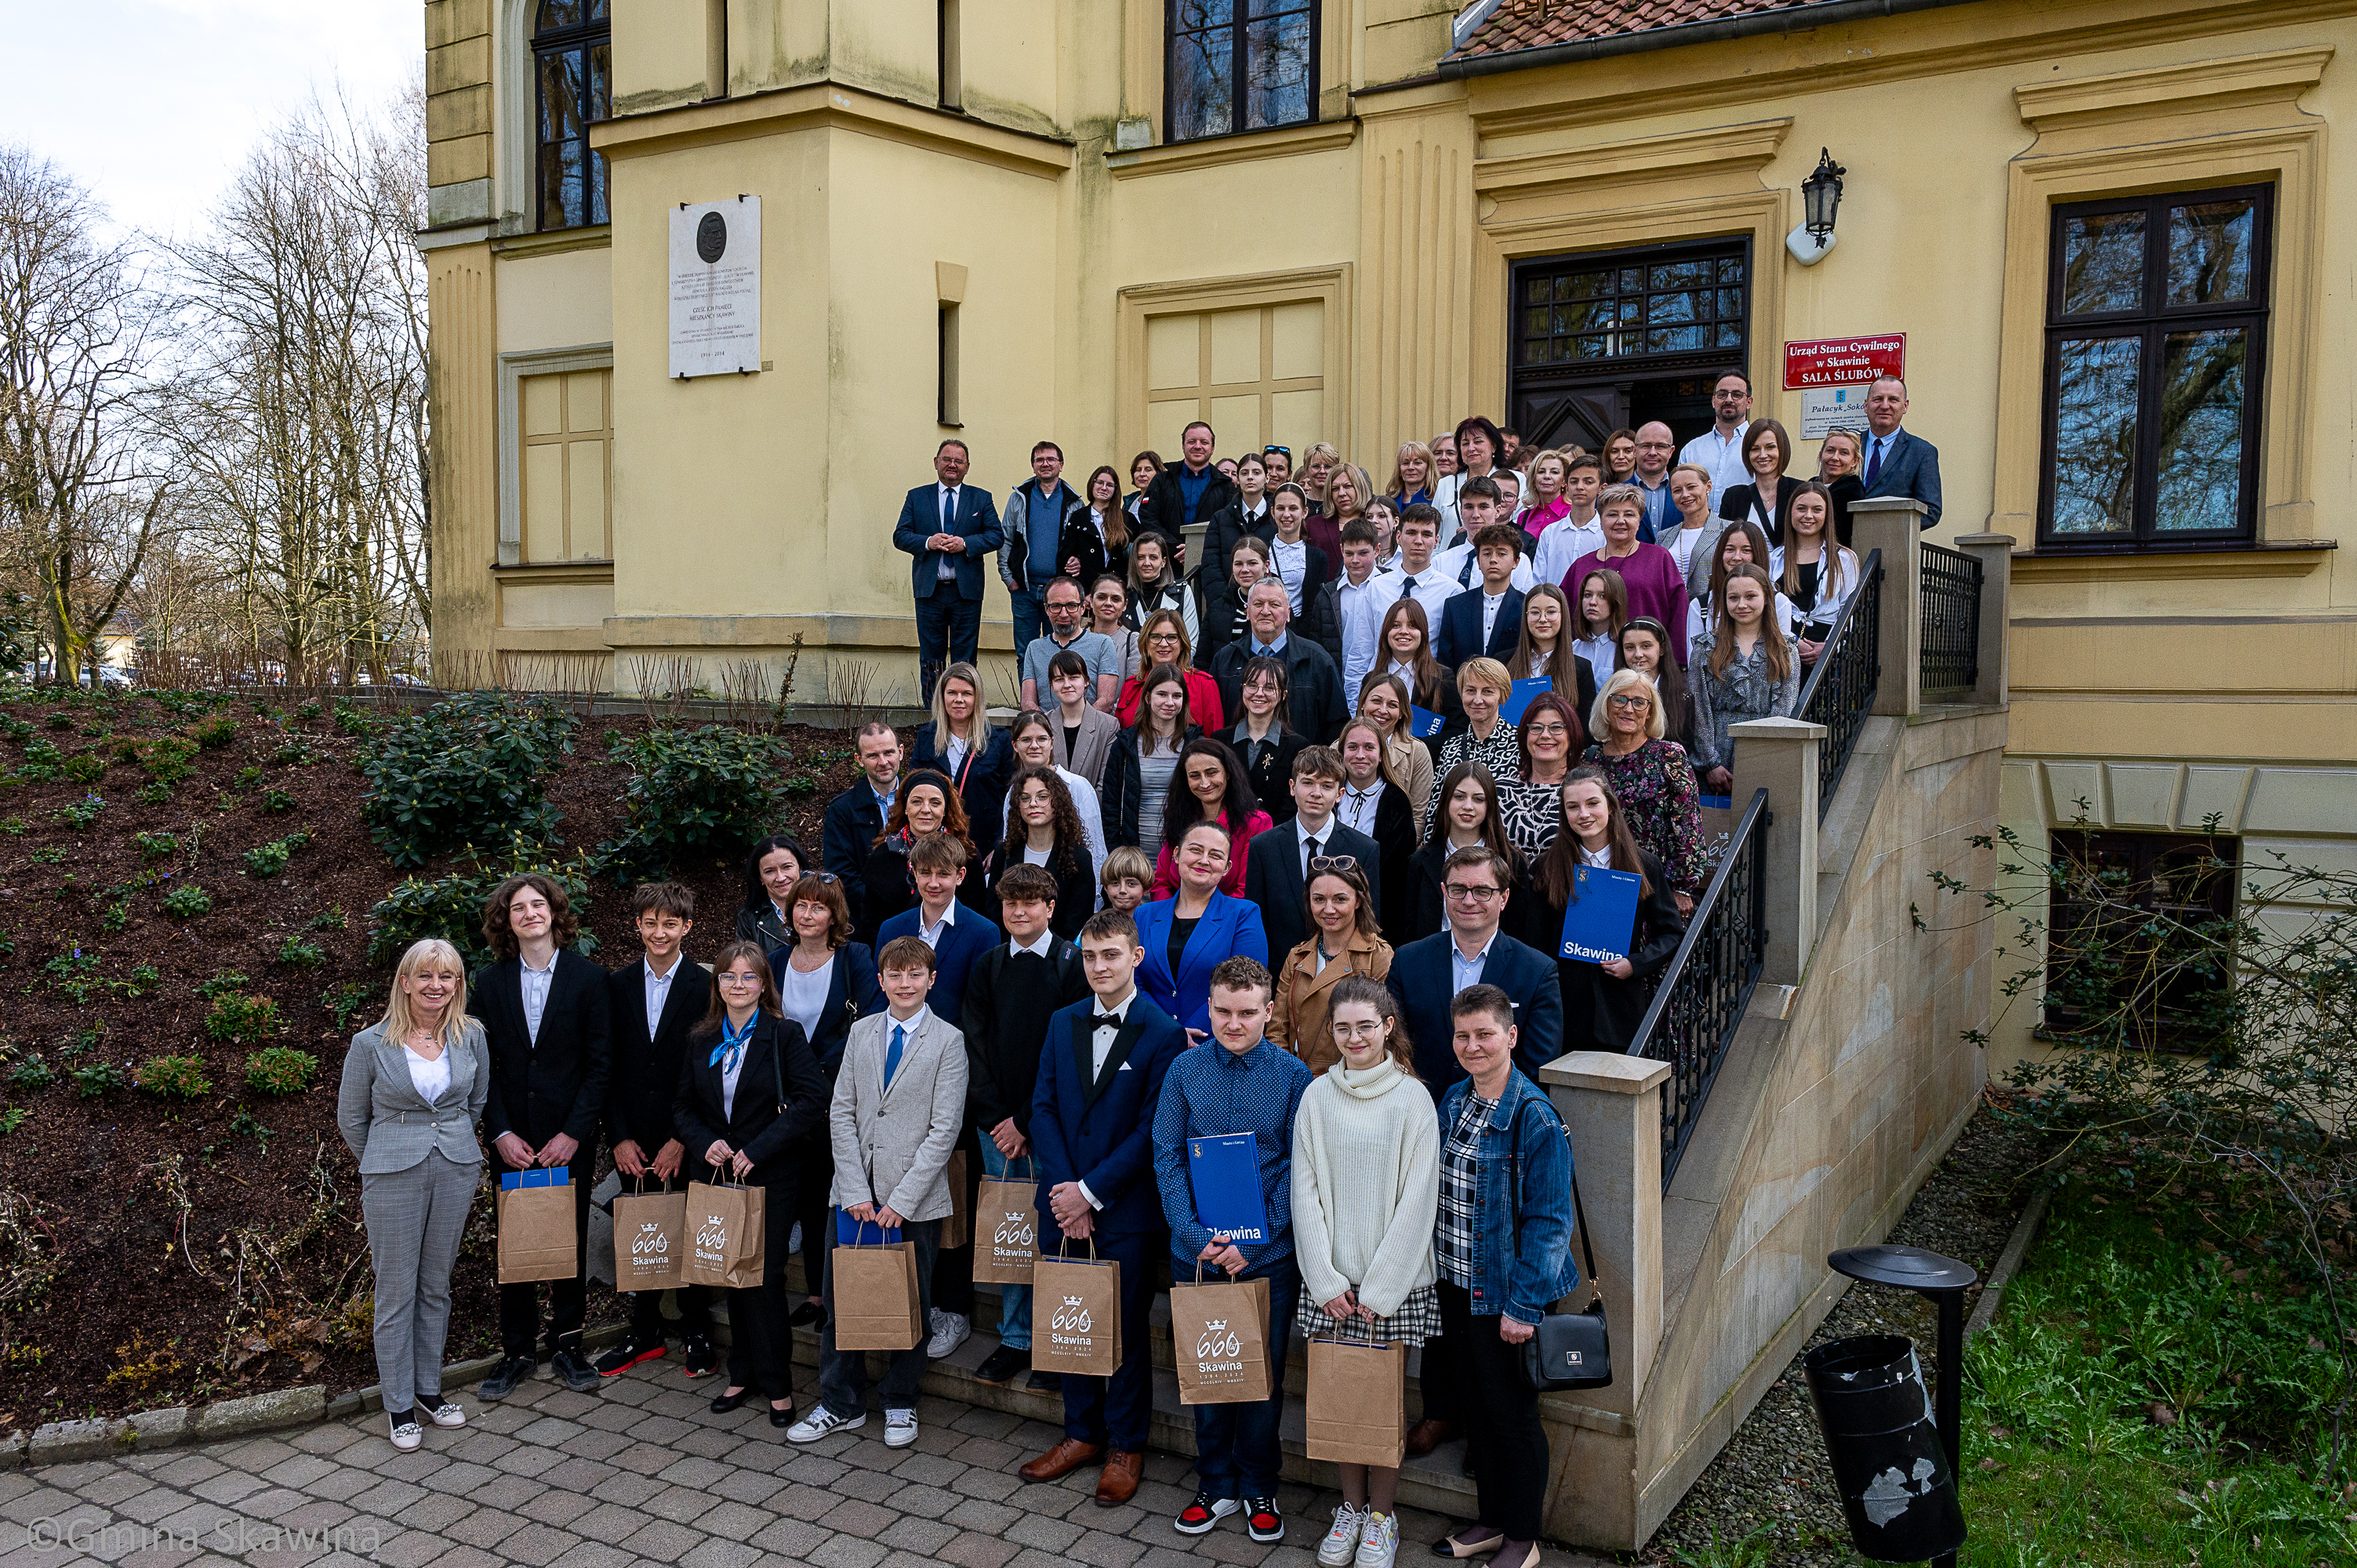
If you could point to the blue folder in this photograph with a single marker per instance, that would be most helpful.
(1520, 697)
(1718, 802)
(1424, 724)
(1603, 914)
(1225, 1170)
(511, 1180)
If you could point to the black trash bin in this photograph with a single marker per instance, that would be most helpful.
(1896, 1485)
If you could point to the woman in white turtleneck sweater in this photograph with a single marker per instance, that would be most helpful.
(1366, 1190)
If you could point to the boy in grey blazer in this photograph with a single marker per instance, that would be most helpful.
(900, 1105)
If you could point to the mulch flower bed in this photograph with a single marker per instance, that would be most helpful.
(161, 1248)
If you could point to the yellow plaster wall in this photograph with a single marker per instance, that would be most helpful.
(659, 54)
(776, 43)
(1013, 62)
(560, 301)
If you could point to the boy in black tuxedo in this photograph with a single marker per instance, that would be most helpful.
(653, 1003)
(545, 1010)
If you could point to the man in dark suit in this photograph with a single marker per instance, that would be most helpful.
(949, 526)
(1010, 994)
(653, 1003)
(854, 818)
(1313, 686)
(1187, 491)
(1276, 865)
(546, 1011)
(1895, 463)
(1495, 600)
(1101, 1074)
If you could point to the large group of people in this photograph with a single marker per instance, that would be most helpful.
(1283, 846)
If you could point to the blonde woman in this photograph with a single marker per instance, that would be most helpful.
(963, 746)
(1412, 474)
(414, 1084)
(1317, 471)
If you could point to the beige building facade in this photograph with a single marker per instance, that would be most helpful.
(1084, 220)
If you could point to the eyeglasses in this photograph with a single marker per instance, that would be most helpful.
(1318, 862)
(733, 978)
(1161, 636)
(826, 878)
(1633, 703)
(1465, 894)
(1545, 729)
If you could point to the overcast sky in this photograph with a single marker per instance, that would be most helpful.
(153, 103)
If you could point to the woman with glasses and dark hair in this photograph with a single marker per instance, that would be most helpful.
(1264, 736)
(1208, 786)
(1652, 777)
(750, 1093)
(1603, 1002)
(1095, 535)
(772, 867)
(1346, 939)
(824, 980)
(1551, 735)
(1168, 638)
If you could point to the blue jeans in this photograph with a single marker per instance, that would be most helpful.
(1014, 1301)
(1030, 619)
(949, 629)
(1236, 1451)
(842, 1374)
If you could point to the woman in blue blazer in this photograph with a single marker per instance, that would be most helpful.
(1186, 937)
(961, 745)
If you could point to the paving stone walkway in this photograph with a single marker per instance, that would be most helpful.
(641, 1472)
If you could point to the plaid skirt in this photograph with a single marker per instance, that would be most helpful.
(1417, 1320)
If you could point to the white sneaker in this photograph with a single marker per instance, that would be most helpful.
(408, 1434)
(950, 1329)
(823, 1422)
(1342, 1541)
(442, 1413)
(900, 1428)
(1379, 1543)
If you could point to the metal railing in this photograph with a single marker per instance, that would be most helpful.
(1839, 692)
(1951, 620)
(1708, 983)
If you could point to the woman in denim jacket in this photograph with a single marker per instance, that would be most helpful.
(1502, 1244)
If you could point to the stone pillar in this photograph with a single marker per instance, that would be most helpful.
(1893, 524)
(1779, 756)
(1995, 552)
(1611, 1104)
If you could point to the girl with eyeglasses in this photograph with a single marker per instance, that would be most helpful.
(1044, 830)
(1603, 1003)
(1548, 646)
(1265, 738)
(1651, 779)
(1346, 939)
(1168, 639)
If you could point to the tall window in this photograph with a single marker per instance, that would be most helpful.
(2156, 331)
(573, 61)
(1240, 65)
(1633, 304)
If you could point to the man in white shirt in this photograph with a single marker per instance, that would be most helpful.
(1720, 449)
(1419, 575)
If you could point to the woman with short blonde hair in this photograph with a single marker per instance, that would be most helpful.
(414, 1089)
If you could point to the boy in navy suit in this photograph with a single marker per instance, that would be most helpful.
(1486, 620)
(958, 936)
(1101, 1073)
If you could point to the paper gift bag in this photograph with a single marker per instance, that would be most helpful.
(649, 1229)
(958, 1228)
(1218, 1335)
(728, 1236)
(1006, 1230)
(1076, 1315)
(1357, 1402)
(535, 1211)
(876, 1306)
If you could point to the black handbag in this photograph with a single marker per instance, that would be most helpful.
(1568, 1349)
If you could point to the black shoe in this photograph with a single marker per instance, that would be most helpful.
(698, 1357)
(782, 1419)
(809, 1314)
(1046, 1382)
(511, 1371)
(1262, 1521)
(723, 1402)
(571, 1366)
(1002, 1364)
(628, 1354)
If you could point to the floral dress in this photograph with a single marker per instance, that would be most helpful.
(1502, 754)
(1656, 784)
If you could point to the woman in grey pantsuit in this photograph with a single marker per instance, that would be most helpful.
(412, 1094)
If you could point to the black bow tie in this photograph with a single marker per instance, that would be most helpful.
(1106, 1021)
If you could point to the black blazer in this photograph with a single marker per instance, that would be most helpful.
(852, 992)
(853, 821)
(1396, 845)
(1272, 877)
(1457, 638)
(777, 1054)
(1426, 908)
(643, 1076)
(1125, 781)
(1600, 1012)
(1219, 536)
(1078, 538)
(1271, 775)
(558, 1084)
(1004, 1027)
(1164, 509)
(1742, 501)
(1076, 893)
(981, 786)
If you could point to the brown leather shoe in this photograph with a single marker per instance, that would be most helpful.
(1119, 1482)
(1427, 1435)
(1062, 1460)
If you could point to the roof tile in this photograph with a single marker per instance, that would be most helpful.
(1534, 24)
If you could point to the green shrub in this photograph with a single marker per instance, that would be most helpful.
(270, 859)
(143, 979)
(43, 764)
(280, 1070)
(293, 754)
(301, 954)
(451, 906)
(187, 901)
(242, 1019)
(277, 801)
(97, 1078)
(215, 732)
(222, 984)
(117, 916)
(309, 710)
(692, 792)
(354, 723)
(155, 846)
(12, 1119)
(169, 758)
(14, 727)
(88, 768)
(32, 1073)
(13, 826)
(82, 813)
(154, 794)
(245, 777)
(346, 1001)
(174, 1078)
(464, 771)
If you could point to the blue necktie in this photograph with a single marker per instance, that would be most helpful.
(949, 511)
(892, 1057)
(1874, 461)
(732, 1044)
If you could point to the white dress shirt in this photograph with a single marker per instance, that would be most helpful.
(1602, 859)
(1560, 546)
(430, 1079)
(945, 506)
(1043, 948)
(1356, 809)
(1489, 607)
(1323, 832)
(1682, 542)
(803, 998)
(1291, 564)
(1722, 458)
(1362, 606)
(1430, 587)
(932, 934)
(1602, 653)
(730, 1071)
(536, 982)
(659, 990)
(1101, 1039)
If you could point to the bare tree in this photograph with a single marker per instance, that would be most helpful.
(81, 495)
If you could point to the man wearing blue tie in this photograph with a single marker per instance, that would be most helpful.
(1898, 464)
(949, 526)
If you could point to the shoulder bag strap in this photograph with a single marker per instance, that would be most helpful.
(1578, 1210)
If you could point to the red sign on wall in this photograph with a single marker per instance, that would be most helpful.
(1841, 361)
